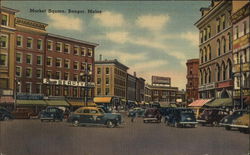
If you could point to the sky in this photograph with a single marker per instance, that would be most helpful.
(150, 37)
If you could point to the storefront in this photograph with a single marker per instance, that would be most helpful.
(197, 105)
(7, 102)
(36, 105)
(106, 102)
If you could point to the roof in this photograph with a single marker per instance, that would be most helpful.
(72, 39)
(8, 9)
(115, 62)
(199, 103)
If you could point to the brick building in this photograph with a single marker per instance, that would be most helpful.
(192, 80)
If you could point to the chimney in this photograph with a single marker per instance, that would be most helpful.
(100, 57)
(134, 74)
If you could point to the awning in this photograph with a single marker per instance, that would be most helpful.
(6, 99)
(220, 102)
(57, 102)
(199, 103)
(102, 99)
(31, 102)
(80, 103)
(164, 104)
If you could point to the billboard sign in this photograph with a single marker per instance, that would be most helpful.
(161, 80)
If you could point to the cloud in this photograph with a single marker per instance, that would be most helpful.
(152, 22)
(149, 65)
(110, 19)
(193, 37)
(63, 22)
(119, 37)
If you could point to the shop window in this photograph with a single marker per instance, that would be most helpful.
(66, 91)
(75, 91)
(58, 91)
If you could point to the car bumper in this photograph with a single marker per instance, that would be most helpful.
(188, 123)
(239, 126)
(224, 124)
(201, 121)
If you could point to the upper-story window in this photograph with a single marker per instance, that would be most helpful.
(89, 68)
(90, 52)
(76, 65)
(209, 32)
(66, 48)
(66, 76)
(4, 20)
(19, 41)
(59, 47)
(18, 71)
(58, 62)
(29, 59)
(4, 41)
(107, 70)
(49, 61)
(205, 34)
(28, 72)
(58, 75)
(218, 25)
(39, 44)
(29, 42)
(236, 32)
(201, 36)
(229, 41)
(67, 63)
(49, 45)
(19, 57)
(83, 51)
(218, 47)
(224, 44)
(76, 50)
(39, 60)
(244, 28)
(83, 66)
(223, 22)
(209, 52)
(98, 70)
(3, 59)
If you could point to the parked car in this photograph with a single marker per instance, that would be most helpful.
(51, 113)
(5, 114)
(138, 112)
(23, 113)
(152, 115)
(242, 123)
(94, 116)
(181, 117)
(228, 120)
(211, 117)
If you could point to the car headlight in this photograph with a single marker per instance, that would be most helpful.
(225, 120)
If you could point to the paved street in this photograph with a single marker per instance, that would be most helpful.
(31, 137)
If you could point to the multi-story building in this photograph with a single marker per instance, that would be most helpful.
(140, 85)
(241, 52)
(181, 98)
(131, 88)
(148, 94)
(111, 80)
(215, 66)
(69, 66)
(29, 59)
(7, 54)
(192, 80)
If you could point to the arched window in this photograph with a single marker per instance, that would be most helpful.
(223, 69)
(229, 67)
(201, 36)
(224, 44)
(217, 72)
(209, 75)
(229, 41)
(223, 22)
(201, 77)
(218, 47)
(201, 56)
(209, 52)
(205, 54)
(218, 25)
(209, 32)
(205, 34)
(205, 76)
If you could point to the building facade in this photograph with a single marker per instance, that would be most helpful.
(192, 85)
(140, 85)
(131, 88)
(215, 66)
(111, 79)
(241, 51)
(148, 94)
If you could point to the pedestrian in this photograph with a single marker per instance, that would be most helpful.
(133, 117)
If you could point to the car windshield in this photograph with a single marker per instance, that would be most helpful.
(101, 111)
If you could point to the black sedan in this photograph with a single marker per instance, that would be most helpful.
(5, 114)
(51, 113)
(228, 120)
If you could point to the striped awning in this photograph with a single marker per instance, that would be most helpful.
(30, 102)
(102, 99)
(57, 102)
(6, 99)
(199, 103)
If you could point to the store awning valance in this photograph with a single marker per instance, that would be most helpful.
(164, 104)
(220, 102)
(31, 102)
(102, 99)
(57, 102)
(6, 99)
(199, 103)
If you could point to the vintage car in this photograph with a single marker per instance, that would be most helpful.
(5, 114)
(211, 117)
(242, 123)
(181, 117)
(152, 115)
(137, 112)
(23, 113)
(51, 113)
(94, 116)
(228, 120)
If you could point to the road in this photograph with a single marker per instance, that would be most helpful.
(32, 137)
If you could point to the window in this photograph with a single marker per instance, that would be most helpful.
(29, 42)
(29, 59)
(223, 22)
(66, 91)
(205, 54)
(49, 45)
(39, 60)
(39, 73)
(224, 45)
(28, 87)
(75, 77)
(83, 51)
(218, 25)
(107, 91)
(58, 62)
(58, 75)
(98, 70)
(59, 47)
(83, 66)
(66, 76)
(49, 74)
(98, 91)
(107, 70)
(107, 80)
(209, 32)
(67, 63)
(4, 41)
(245, 28)
(99, 80)
(58, 91)
(229, 41)
(39, 44)
(28, 72)
(38, 88)
(19, 41)
(49, 61)
(209, 52)
(66, 48)
(236, 32)
(18, 88)
(19, 57)
(201, 36)
(90, 52)
(76, 50)
(3, 59)
(4, 20)
(76, 64)
(75, 91)
(218, 47)
(18, 71)
(89, 67)
(205, 34)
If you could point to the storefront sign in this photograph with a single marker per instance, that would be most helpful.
(67, 82)
(207, 87)
(161, 80)
(245, 67)
(225, 84)
(245, 92)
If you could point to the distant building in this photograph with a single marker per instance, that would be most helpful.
(148, 94)
(140, 85)
(192, 85)
(181, 98)
(131, 88)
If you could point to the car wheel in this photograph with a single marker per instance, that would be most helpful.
(215, 123)
(110, 124)
(6, 118)
(75, 123)
(176, 124)
(227, 127)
